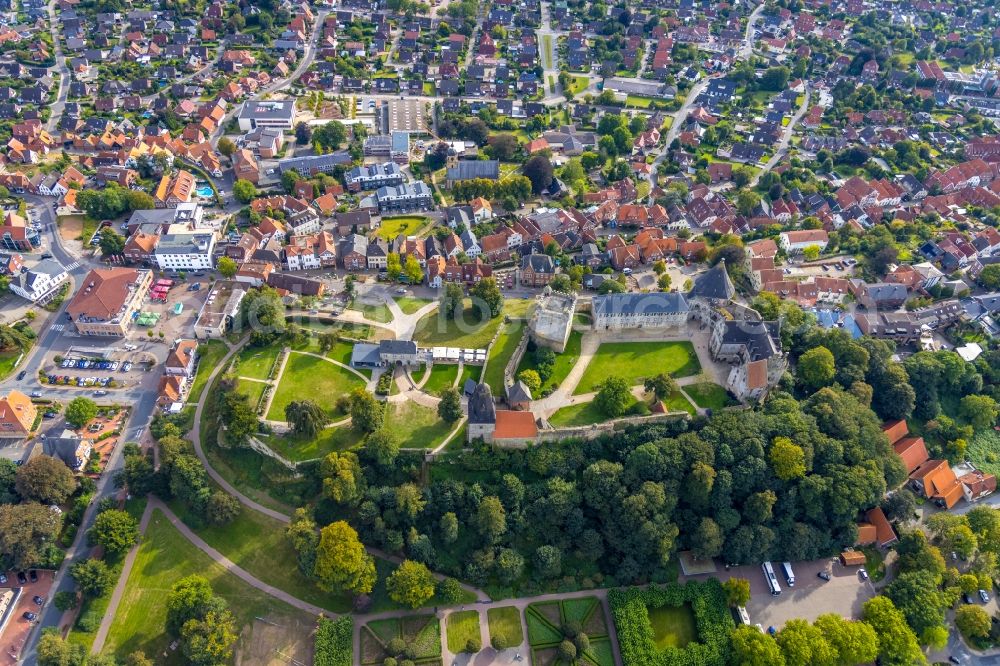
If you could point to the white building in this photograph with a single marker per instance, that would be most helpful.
(794, 242)
(190, 251)
(278, 114)
(625, 311)
(41, 283)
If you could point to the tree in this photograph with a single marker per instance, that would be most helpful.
(487, 298)
(306, 417)
(504, 146)
(567, 652)
(190, 598)
(660, 385)
(227, 267)
(342, 565)
(450, 407)
(804, 645)
(329, 137)
(737, 591)
(115, 530)
(393, 266)
(816, 368)
(93, 577)
(208, 641)
(65, 600)
(411, 584)
(451, 302)
(811, 253)
(747, 201)
(753, 648)
(538, 170)
(548, 561)
(787, 459)
(45, 479)
(52, 650)
(414, 273)
(448, 591)
(473, 645)
(900, 505)
(491, 519)
(111, 242)
(531, 380)
(613, 397)
(611, 287)
(663, 282)
(854, 642)
(222, 508)
(226, 147)
(24, 531)
(366, 412)
(303, 134)
(382, 446)
(990, 277)
(775, 79)
(80, 411)
(138, 658)
(973, 621)
(897, 643)
(980, 411)
(244, 191)
(343, 481)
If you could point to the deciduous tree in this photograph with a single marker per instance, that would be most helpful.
(342, 565)
(115, 530)
(411, 584)
(45, 479)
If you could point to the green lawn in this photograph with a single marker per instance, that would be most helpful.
(545, 621)
(407, 225)
(578, 83)
(638, 102)
(462, 626)
(165, 557)
(420, 633)
(563, 364)
(473, 372)
(505, 626)
(210, 353)
(636, 360)
(417, 427)
(676, 402)
(442, 377)
(468, 330)
(7, 362)
(582, 414)
(500, 355)
(708, 395)
(547, 52)
(256, 362)
(254, 390)
(297, 449)
(409, 304)
(673, 626)
(379, 313)
(313, 378)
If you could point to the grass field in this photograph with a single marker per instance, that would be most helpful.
(297, 449)
(379, 313)
(578, 83)
(461, 627)
(407, 225)
(209, 355)
(500, 354)
(505, 626)
(256, 362)
(469, 372)
(673, 626)
(164, 557)
(467, 330)
(638, 102)
(547, 52)
(635, 360)
(676, 402)
(708, 395)
(409, 304)
(254, 390)
(563, 364)
(308, 376)
(417, 427)
(7, 362)
(582, 414)
(442, 377)
(984, 450)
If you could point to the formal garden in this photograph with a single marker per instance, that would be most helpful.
(413, 637)
(505, 627)
(672, 624)
(569, 631)
(462, 630)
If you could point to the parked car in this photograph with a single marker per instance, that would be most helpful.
(100, 393)
(3, 579)
(863, 573)
(984, 596)
(966, 598)
(29, 616)
(22, 578)
(824, 575)
(21, 375)
(38, 600)
(33, 575)
(36, 394)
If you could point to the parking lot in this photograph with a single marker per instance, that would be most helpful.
(844, 594)
(17, 629)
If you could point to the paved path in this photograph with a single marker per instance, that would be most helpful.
(786, 139)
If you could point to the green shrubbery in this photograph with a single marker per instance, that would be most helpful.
(635, 633)
(335, 642)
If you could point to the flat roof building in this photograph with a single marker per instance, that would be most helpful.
(279, 114)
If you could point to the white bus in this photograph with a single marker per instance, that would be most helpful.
(772, 580)
(789, 574)
(744, 616)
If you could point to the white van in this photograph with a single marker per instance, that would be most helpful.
(744, 616)
(789, 574)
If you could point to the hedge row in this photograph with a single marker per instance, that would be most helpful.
(635, 633)
(335, 642)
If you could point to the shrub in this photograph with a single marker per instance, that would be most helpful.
(334, 642)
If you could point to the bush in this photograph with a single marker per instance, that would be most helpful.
(89, 620)
(334, 642)
(635, 633)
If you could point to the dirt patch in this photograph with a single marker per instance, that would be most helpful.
(70, 227)
(275, 641)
